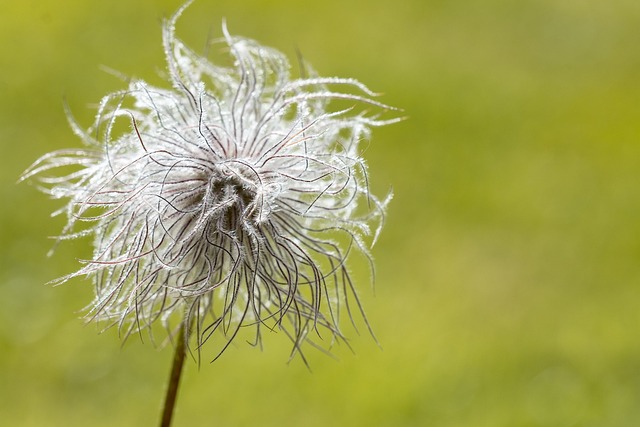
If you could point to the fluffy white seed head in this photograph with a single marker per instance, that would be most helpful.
(232, 200)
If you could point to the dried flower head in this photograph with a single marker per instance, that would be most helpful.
(231, 200)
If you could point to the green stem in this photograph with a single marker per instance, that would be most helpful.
(174, 379)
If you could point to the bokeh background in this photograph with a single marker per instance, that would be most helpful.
(508, 276)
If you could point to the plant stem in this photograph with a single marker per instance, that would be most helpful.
(174, 379)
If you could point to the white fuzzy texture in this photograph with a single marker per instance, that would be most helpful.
(233, 200)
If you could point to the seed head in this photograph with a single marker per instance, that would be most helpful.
(231, 199)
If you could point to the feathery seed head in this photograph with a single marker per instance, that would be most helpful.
(231, 201)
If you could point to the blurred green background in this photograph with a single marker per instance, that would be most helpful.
(508, 281)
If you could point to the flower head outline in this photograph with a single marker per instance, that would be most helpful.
(233, 200)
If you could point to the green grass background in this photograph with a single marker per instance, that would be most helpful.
(508, 276)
